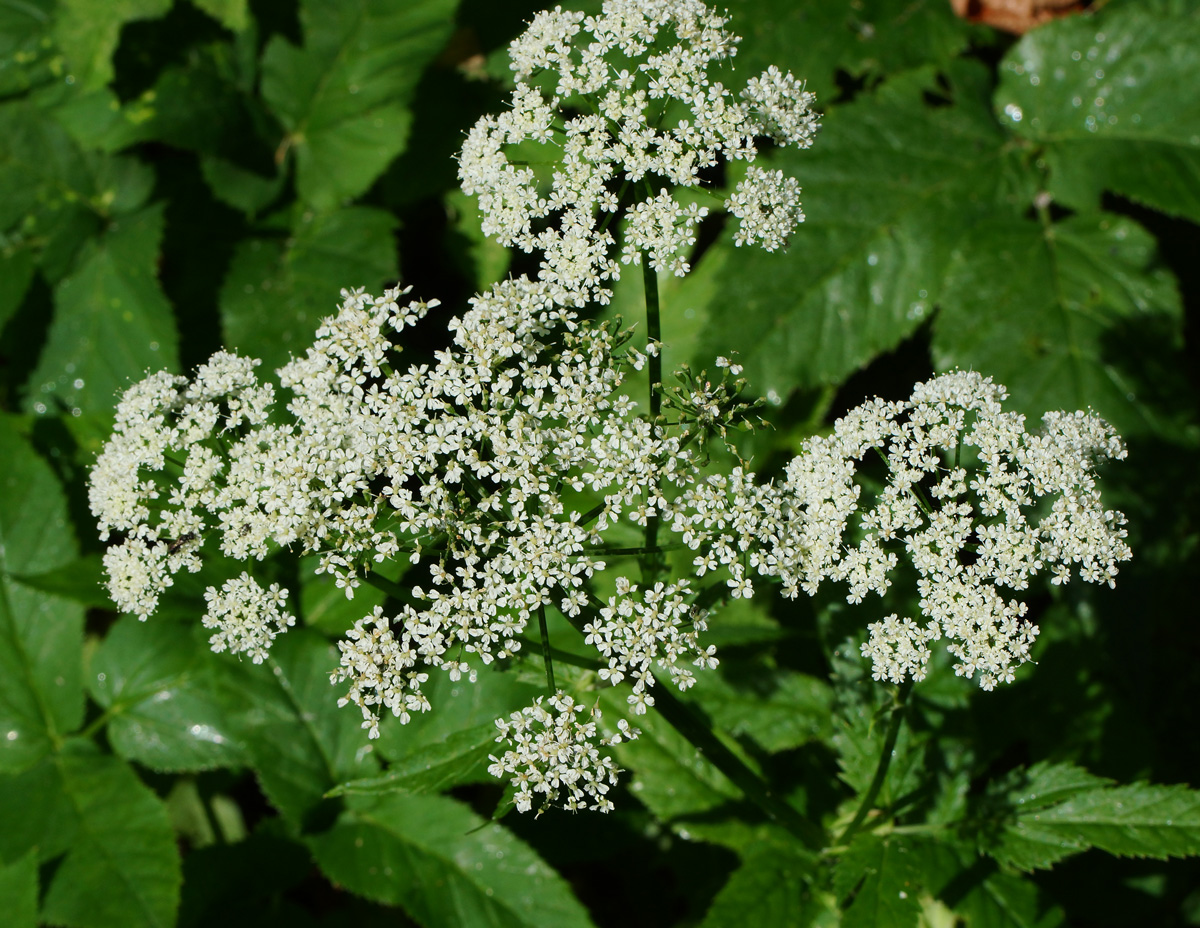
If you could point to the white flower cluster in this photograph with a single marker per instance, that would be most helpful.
(497, 479)
(618, 112)
(247, 617)
(972, 501)
(555, 754)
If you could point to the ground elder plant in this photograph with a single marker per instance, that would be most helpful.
(543, 498)
(506, 472)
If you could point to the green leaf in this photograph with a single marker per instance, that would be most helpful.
(88, 33)
(112, 322)
(771, 888)
(41, 636)
(298, 740)
(458, 705)
(26, 54)
(868, 39)
(323, 604)
(779, 709)
(460, 758)
(19, 892)
(1056, 815)
(890, 187)
(234, 14)
(121, 867)
(667, 775)
(880, 878)
(158, 681)
(444, 865)
(1103, 96)
(277, 290)
(81, 580)
(343, 98)
(1089, 308)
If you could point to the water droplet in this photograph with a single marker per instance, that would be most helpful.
(1013, 112)
(872, 259)
(1076, 101)
(1034, 80)
(12, 736)
(1076, 55)
(101, 677)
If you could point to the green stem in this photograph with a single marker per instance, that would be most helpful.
(652, 561)
(885, 759)
(546, 657)
(685, 720)
(393, 589)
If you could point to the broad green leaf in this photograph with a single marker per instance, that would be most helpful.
(234, 14)
(112, 322)
(40, 635)
(158, 681)
(974, 887)
(88, 32)
(299, 741)
(461, 758)
(666, 773)
(26, 53)
(121, 866)
(868, 39)
(890, 187)
(277, 290)
(779, 709)
(771, 888)
(1071, 315)
(243, 189)
(48, 197)
(81, 580)
(458, 705)
(444, 865)
(343, 97)
(1140, 820)
(19, 892)
(1104, 95)
(323, 604)
(863, 711)
(880, 880)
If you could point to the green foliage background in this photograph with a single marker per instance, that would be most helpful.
(175, 176)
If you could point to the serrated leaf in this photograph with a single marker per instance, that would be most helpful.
(41, 636)
(880, 878)
(1140, 820)
(779, 709)
(234, 14)
(868, 40)
(112, 322)
(458, 705)
(80, 580)
(1063, 315)
(299, 741)
(121, 866)
(460, 758)
(769, 889)
(667, 774)
(890, 187)
(444, 865)
(343, 97)
(26, 54)
(323, 604)
(88, 32)
(19, 892)
(157, 681)
(1103, 95)
(277, 290)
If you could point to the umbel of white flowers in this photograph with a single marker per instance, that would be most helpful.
(495, 477)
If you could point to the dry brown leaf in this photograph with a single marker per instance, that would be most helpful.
(1017, 16)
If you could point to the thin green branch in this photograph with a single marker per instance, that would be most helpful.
(546, 655)
(881, 768)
